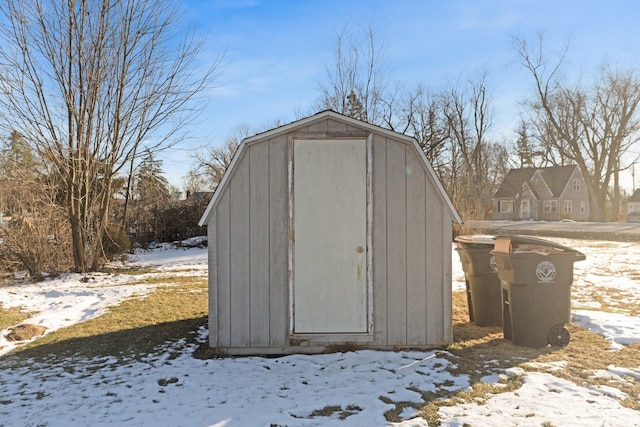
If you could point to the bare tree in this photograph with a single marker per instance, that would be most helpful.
(212, 163)
(593, 125)
(194, 182)
(355, 76)
(88, 83)
(468, 115)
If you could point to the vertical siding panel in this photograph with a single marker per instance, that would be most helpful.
(434, 261)
(396, 243)
(259, 239)
(379, 174)
(279, 242)
(240, 262)
(224, 271)
(447, 314)
(416, 249)
(212, 262)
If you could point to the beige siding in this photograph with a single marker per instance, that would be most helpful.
(224, 271)
(239, 255)
(248, 260)
(435, 259)
(380, 330)
(411, 269)
(278, 242)
(396, 244)
(416, 248)
(212, 259)
(259, 244)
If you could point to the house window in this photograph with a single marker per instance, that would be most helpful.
(550, 206)
(583, 206)
(576, 185)
(568, 204)
(506, 206)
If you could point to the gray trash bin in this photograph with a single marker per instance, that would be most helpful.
(535, 280)
(481, 279)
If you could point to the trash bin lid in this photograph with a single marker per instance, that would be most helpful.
(510, 244)
(475, 240)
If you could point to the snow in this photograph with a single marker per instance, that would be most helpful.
(617, 328)
(163, 390)
(544, 398)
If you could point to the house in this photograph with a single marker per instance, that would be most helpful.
(325, 232)
(633, 207)
(633, 203)
(545, 194)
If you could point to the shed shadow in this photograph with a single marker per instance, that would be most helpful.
(125, 345)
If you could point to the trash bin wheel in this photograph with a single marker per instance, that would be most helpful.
(558, 336)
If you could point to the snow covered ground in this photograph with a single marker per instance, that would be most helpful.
(350, 389)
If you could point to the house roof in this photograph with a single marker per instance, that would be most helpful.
(635, 197)
(513, 182)
(323, 115)
(555, 177)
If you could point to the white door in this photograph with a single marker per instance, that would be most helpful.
(330, 236)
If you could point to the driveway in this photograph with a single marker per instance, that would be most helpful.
(621, 231)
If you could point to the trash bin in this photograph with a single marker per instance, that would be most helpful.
(481, 279)
(535, 280)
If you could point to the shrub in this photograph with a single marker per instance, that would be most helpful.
(115, 241)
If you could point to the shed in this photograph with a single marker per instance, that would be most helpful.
(329, 232)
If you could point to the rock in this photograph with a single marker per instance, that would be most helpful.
(24, 332)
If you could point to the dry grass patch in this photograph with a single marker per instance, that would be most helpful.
(132, 329)
(611, 300)
(12, 316)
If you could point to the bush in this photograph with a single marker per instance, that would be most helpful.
(37, 242)
(115, 241)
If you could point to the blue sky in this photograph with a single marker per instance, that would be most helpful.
(276, 51)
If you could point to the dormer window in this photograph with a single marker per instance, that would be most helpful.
(576, 185)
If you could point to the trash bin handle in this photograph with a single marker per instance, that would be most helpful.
(542, 242)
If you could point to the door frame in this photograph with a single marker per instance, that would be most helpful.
(364, 337)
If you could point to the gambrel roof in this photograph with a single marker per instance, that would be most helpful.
(354, 123)
(556, 178)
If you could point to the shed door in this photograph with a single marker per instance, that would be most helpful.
(330, 229)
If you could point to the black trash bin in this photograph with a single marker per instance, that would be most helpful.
(481, 279)
(535, 280)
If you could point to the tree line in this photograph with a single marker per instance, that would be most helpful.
(94, 91)
(592, 122)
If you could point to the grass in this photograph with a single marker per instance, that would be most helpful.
(132, 329)
(12, 316)
(612, 301)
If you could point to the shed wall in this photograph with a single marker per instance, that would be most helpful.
(248, 255)
(249, 249)
(411, 255)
